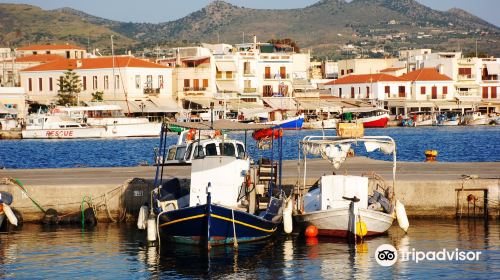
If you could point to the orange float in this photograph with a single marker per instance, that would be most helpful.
(311, 231)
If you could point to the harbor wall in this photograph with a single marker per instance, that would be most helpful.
(422, 198)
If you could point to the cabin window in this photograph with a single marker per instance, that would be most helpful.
(227, 149)
(241, 151)
(179, 154)
(171, 153)
(198, 151)
(211, 149)
(188, 152)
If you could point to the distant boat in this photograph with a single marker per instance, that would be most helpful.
(320, 124)
(476, 118)
(448, 119)
(42, 126)
(370, 117)
(289, 123)
(420, 118)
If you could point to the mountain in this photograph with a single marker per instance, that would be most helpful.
(324, 26)
(25, 24)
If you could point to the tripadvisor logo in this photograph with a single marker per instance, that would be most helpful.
(387, 255)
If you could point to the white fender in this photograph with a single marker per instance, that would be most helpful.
(401, 216)
(10, 215)
(151, 228)
(143, 217)
(287, 216)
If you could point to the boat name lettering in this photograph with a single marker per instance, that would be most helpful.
(59, 133)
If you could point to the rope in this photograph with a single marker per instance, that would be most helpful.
(235, 240)
(17, 182)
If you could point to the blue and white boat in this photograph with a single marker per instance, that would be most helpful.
(289, 123)
(219, 206)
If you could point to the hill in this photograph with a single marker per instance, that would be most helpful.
(324, 27)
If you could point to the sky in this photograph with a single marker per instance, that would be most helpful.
(155, 11)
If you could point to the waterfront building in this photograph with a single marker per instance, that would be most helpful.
(11, 67)
(66, 51)
(360, 66)
(145, 85)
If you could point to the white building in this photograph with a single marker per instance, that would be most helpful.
(429, 84)
(66, 51)
(119, 78)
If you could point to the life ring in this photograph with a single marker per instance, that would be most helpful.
(217, 133)
(191, 133)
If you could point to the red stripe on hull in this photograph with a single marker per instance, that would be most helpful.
(343, 233)
(382, 122)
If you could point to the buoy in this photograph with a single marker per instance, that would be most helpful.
(151, 228)
(142, 219)
(311, 231)
(287, 217)
(403, 222)
(361, 229)
(430, 155)
(10, 214)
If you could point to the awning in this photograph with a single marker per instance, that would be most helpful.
(221, 125)
(166, 104)
(226, 86)
(363, 110)
(281, 103)
(493, 69)
(225, 66)
(318, 104)
(203, 102)
(146, 106)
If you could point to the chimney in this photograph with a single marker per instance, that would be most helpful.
(254, 42)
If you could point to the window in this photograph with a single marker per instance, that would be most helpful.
(205, 83)
(160, 81)
(342, 72)
(47, 52)
(267, 73)
(241, 151)
(51, 86)
(61, 82)
(94, 82)
(367, 92)
(485, 92)
(246, 67)
(352, 92)
(494, 92)
(40, 84)
(211, 149)
(267, 90)
(422, 90)
(149, 81)
(401, 91)
(218, 75)
(137, 81)
(387, 90)
(84, 82)
(186, 83)
(30, 85)
(465, 72)
(340, 92)
(196, 84)
(106, 82)
(445, 90)
(229, 74)
(117, 81)
(227, 149)
(68, 54)
(283, 72)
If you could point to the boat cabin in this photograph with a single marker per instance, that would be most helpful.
(186, 152)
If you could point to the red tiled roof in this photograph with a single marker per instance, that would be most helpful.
(366, 78)
(95, 63)
(39, 58)
(49, 47)
(425, 74)
(391, 69)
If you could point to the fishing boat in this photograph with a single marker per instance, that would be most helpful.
(448, 119)
(476, 118)
(44, 126)
(419, 118)
(340, 205)
(267, 133)
(291, 123)
(219, 206)
(369, 116)
(315, 123)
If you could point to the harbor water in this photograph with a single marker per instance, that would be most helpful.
(119, 251)
(454, 144)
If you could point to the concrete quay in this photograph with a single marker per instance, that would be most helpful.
(434, 189)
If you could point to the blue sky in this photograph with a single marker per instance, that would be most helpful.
(166, 10)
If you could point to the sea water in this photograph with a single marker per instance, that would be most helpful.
(454, 144)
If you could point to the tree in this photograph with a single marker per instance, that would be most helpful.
(69, 88)
(97, 96)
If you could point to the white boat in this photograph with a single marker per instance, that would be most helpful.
(320, 124)
(420, 118)
(112, 118)
(370, 117)
(42, 126)
(292, 123)
(476, 118)
(340, 205)
(448, 119)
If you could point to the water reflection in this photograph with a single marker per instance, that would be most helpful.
(120, 251)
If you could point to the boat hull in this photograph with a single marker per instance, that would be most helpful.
(375, 121)
(191, 226)
(63, 133)
(323, 124)
(294, 123)
(133, 130)
(479, 121)
(335, 222)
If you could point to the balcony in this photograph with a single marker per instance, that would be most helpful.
(224, 77)
(248, 73)
(194, 88)
(277, 77)
(152, 91)
(249, 90)
(466, 77)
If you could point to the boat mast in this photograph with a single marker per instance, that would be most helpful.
(113, 60)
